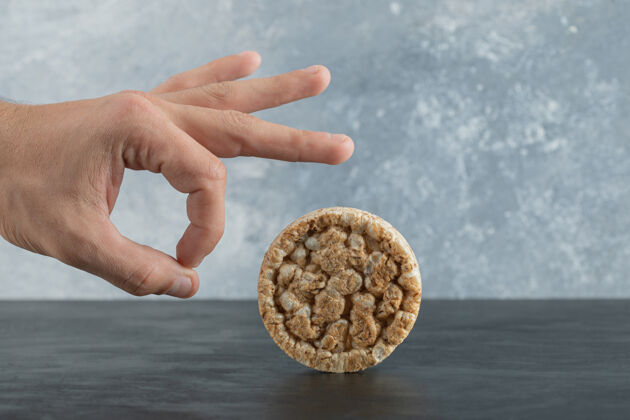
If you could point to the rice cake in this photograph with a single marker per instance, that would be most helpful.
(339, 289)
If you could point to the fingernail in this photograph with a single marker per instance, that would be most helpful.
(339, 138)
(244, 53)
(181, 287)
(312, 69)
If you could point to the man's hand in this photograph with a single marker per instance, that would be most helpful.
(61, 165)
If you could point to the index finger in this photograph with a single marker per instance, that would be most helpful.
(190, 169)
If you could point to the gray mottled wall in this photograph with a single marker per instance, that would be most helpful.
(494, 135)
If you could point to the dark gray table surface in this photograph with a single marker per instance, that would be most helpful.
(207, 359)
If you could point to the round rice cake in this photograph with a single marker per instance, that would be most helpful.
(339, 289)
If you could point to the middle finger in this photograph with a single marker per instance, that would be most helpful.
(233, 133)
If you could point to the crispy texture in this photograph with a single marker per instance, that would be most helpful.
(339, 289)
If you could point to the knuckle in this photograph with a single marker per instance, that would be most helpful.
(133, 99)
(216, 170)
(177, 82)
(220, 232)
(237, 121)
(215, 233)
(130, 105)
(297, 143)
(139, 282)
(219, 92)
(132, 112)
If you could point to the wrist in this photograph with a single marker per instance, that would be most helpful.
(12, 117)
(5, 107)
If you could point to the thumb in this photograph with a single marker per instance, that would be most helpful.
(135, 268)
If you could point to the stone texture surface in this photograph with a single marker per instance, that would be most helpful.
(163, 360)
(494, 135)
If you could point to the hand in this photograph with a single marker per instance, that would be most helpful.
(61, 165)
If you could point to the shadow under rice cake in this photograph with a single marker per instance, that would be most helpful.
(339, 289)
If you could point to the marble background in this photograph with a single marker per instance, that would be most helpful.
(494, 135)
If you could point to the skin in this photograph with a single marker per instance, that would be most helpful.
(61, 165)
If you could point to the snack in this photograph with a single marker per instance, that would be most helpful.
(339, 289)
